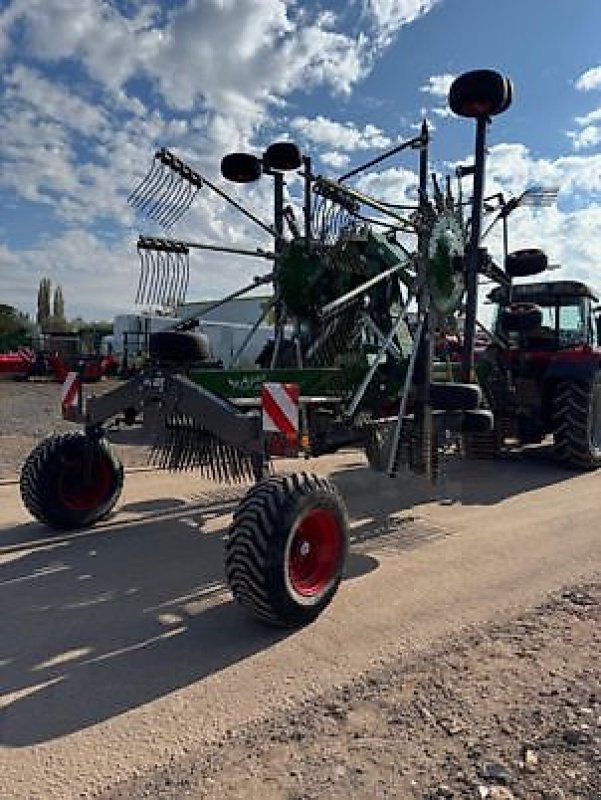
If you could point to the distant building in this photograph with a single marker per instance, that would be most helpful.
(242, 310)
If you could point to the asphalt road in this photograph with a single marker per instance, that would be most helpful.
(120, 647)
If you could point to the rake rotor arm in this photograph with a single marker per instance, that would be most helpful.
(171, 245)
(259, 280)
(334, 190)
(416, 141)
(341, 301)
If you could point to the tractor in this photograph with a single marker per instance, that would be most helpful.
(541, 373)
(361, 290)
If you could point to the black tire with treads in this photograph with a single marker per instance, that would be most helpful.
(56, 489)
(455, 396)
(577, 423)
(265, 543)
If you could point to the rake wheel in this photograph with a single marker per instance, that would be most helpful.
(70, 481)
(241, 167)
(286, 548)
(282, 156)
(523, 263)
(480, 93)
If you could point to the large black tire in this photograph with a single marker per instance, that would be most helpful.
(179, 347)
(523, 263)
(282, 156)
(480, 93)
(577, 423)
(71, 481)
(241, 167)
(286, 548)
(455, 396)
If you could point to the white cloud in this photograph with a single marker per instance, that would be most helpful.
(392, 185)
(438, 85)
(340, 135)
(586, 137)
(335, 159)
(591, 79)
(511, 168)
(389, 16)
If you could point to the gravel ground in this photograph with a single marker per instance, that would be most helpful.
(505, 711)
(30, 411)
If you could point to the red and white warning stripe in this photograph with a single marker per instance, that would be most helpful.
(280, 403)
(70, 393)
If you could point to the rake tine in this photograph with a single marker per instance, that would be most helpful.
(152, 285)
(148, 277)
(142, 278)
(162, 288)
(191, 195)
(139, 190)
(180, 290)
(176, 279)
(163, 272)
(167, 199)
(172, 214)
(154, 207)
(154, 197)
(149, 194)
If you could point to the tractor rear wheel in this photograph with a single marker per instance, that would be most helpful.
(577, 423)
(71, 480)
(286, 548)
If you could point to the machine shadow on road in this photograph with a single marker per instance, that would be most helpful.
(469, 482)
(100, 621)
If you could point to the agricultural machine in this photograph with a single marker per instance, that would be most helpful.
(362, 291)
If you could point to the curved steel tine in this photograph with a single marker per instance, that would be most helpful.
(184, 275)
(167, 269)
(173, 212)
(151, 287)
(162, 190)
(152, 187)
(162, 205)
(192, 191)
(159, 278)
(186, 279)
(146, 257)
(133, 196)
(175, 279)
(141, 279)
(171, 279)
(154, 191)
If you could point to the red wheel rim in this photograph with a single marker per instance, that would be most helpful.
(314, 552)
(80, 493)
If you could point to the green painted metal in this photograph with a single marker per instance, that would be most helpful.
(316, 382)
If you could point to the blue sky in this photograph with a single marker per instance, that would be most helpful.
(90, 89)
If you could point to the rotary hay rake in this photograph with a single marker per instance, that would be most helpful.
(359, 289)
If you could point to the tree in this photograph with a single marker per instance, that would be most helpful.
(58, 305)
(44, 292)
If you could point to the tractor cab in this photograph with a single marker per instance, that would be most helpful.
(546, 316)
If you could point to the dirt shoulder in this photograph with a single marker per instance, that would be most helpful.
(505, 710)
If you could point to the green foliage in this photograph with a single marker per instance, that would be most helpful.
(44, 291)
(58, 304)
(15, 328)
